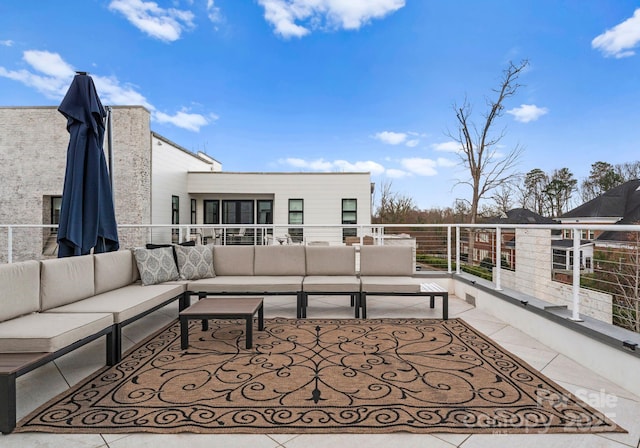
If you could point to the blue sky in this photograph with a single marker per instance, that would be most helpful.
(344, 85)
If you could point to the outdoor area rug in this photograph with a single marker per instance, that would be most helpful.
(319, 376)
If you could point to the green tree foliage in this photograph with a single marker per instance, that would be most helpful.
(603, 177)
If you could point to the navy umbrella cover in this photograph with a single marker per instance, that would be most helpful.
(87, 216)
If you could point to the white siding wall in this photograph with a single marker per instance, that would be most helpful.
(169, 175)
(322, 194)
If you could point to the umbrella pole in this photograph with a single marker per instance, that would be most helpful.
(110, 145)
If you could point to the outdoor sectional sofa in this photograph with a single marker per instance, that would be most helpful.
(50, 307)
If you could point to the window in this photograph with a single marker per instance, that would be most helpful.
(211, 212)
(237, 212)
(193, 211)
(56, 204)
(349, 211)
(265, 212)
(349, 216)
(296, 216)
(175, 217)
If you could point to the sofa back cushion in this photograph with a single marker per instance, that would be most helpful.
(280, 260)
(194, 262)
(331, 260)
(113, 270)
(386, 260)
(20, 286)
(156, 265)
(66, 280)
(233, 260)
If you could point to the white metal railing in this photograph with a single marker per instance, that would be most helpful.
(610, 296)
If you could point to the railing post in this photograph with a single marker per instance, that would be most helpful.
(457, 249)
(10, 244)
(576, 276)
(449, 249)
(498, 258)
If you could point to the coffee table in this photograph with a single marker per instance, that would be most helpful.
(222, 308)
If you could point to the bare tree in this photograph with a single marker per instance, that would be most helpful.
(394, 208)
(504, 197)
(478, 146)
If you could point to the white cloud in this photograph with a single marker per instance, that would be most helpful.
(51, 76)
(620, 40)
(213, 12)
(527, 112)
(54, 77)
(412, 143)
(314, 165)
(397, 138)
(447, 163)
(422, 167)
(396, 174)
(286, 15)
(336, 165)
(368, 165)
(183, 119)
(391, 138)
(160, 23)
(6, 43)
(451, 146)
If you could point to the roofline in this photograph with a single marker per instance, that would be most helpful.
(183, 149)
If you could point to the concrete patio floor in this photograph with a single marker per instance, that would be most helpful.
(623, 407)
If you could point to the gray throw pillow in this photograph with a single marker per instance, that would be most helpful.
(195, 262)
(156, 265)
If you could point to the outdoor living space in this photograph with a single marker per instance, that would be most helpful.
(620, 405)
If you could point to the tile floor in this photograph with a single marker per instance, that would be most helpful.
(622, 406)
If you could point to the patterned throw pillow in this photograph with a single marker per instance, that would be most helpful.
(195, 262)
(156, 265)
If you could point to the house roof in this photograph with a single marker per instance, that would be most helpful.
(622, 202)
(522, 216)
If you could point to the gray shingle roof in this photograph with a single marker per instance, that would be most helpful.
(621, 202)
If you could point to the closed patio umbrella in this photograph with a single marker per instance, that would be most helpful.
(87, 216)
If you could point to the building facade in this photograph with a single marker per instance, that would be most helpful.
(156, 181)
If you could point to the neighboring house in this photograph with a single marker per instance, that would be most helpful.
(156, 181)
(612, 207)
(485, 239)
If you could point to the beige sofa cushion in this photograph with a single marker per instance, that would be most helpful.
(113, 270)
(20, 286)
(66, 280)
(331, 260)
(331, 283)
(124, 303)
(280, 260)
(248, 284)
(233, 260)
(391, 284)
(387, 260)
(20, 289)
(49, 332)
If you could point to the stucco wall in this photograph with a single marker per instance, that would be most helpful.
(533, 276)
(33, 147)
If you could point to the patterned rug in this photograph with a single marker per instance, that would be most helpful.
(319, 376)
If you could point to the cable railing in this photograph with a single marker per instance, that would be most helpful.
(534, 259)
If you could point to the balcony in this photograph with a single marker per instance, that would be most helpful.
(580, 337)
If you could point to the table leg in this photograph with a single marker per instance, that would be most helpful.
(445, 306)
(205, 324)
(249, 331)
(261, 317)
(184, 333)
(432, 300)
